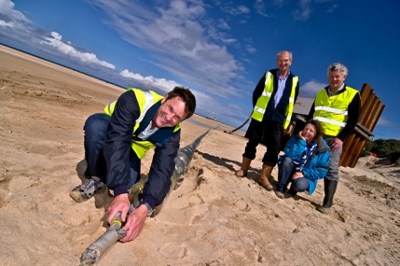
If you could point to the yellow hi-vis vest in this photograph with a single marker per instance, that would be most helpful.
(262, 101)
(146, 99)
(332, 111)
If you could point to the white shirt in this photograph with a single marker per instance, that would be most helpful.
(148, 131)
(281, 88)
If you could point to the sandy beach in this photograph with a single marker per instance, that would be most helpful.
(213, 217)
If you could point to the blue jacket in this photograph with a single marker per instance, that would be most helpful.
(316, 166)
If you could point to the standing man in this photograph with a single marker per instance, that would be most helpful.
(273, 102)
(338, 108)
(116, 141)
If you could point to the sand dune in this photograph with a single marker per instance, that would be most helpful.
(212, 218)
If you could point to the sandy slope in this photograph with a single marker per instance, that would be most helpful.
(213, 218)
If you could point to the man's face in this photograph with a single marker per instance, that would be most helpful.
(171, 113)
(336, 79)
(284, 62)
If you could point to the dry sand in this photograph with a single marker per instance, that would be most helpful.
(212, 218)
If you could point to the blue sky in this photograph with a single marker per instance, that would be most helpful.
(217, 48)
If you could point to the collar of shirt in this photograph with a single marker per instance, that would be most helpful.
(283, 78)
(330, 93)
(148, 131)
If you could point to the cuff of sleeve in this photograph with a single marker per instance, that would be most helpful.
(149, 200)
(120, 189)
(341, 137)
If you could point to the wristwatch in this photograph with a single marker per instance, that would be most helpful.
(150, 210)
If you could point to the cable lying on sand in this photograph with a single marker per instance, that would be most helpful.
(95, 250)
(239, 127)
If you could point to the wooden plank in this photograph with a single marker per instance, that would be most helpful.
(371, 110)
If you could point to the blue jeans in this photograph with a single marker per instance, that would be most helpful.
(285, 173)
(95, 137)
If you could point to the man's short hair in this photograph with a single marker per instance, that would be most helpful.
(285, 51)
(338, 67)
(187, 97)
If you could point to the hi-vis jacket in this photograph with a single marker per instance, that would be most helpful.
(130, 115)
(146, 99)
(333, 111)
(264, 106)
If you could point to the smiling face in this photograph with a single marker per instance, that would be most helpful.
(309, 132)
(336, 80)
(284, 61)
(170, 113)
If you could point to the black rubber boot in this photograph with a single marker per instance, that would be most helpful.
(330, 190)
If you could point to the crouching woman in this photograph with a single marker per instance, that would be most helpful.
(305, 161)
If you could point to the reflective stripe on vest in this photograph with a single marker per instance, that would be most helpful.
(262, 101)
(146, 99)
(290, 107)
(332, 111)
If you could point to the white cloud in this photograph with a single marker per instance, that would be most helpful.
(310, 88)
(209, 106)
(306, 7)
(66, 48)
(16, 26)
(161, 83)
(6, 24)
(304, 10)
(7, 9)
(234, 10)
(204, 100)
(182, 40)
(13, 24)
(250, 49)
(384, 122)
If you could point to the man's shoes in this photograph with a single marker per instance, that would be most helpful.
(265, 173)
(324, 210)
(264, 182)
(87, 190)
(279, 194)
(240, 173)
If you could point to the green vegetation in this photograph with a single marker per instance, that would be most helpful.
(383, 148)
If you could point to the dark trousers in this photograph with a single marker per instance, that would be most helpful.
(269, 134)
(95, 136)
(95, 130)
